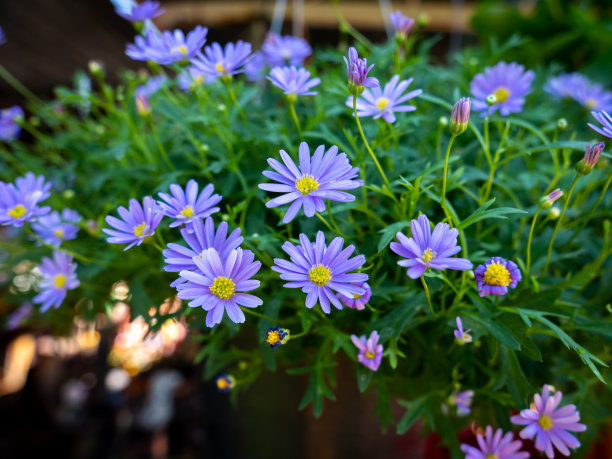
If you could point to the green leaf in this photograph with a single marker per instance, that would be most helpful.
(364, 376)
(389, 232)
(498, 331)
(482, 214)
(517, 383)
(414, 409)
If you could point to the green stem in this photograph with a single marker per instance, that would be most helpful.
(428, 297)
(443, 197)
(331, 228)
(296, 119)
(19, 87)
(533, 223)
(592, 212)
(161, 148)
(232, 95)
(347, 27)
(256, 314)
(365, 141)
(558, 225)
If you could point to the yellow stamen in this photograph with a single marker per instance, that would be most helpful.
(492, 456)
(220, 68)
(501, 94)
(59, 281)
(223, 287)
(356, 297)
(497, 274)
(139, 230)
(59, 233)
(17, 212)
(188, 212)
(272, 338)
(320, 275)
(591, 103)
(370, 355)
(222, 383)
(181, 49)
(307, 184)
(545, 422)
(381, 103)
(428, 255)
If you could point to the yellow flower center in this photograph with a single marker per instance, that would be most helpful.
(187, 212)
(181, 49)
(59, 281)
(223, 287)
(497, 274)
(356, 297)
(307, 184)
(591, 103)
(320, 275)
(466, 337)
(491, 456)
(272, 338)
(17, 212)
(222, 383)
(370, 355)
(199, 79)
(428, 255)
(381, 103)
(139, 230)
(501, 94)
(59, 233)
(220, 68)
(545, 422)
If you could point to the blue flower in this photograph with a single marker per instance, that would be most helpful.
(190, 78)
(167, 47)
(139, 13)
(357, 70)
(293, 81)
(9, 128)
(277, 336)
(219, 62)
(152, 85)
(605, 120)
(282, 50)
(54, 229)
(19, 201)
(58, 276)
(136, 225)
(318, 269)
(186, 206)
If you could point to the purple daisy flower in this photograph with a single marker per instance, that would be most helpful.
(19, 201)
(370, 352)
(357, 301)
(462, 400)
(402, 24)
(605, 120)
(15, 319)
(58, 276)
(565, 85)
(426, 250)
(2, 37)
(510, 83)
(140, 13)
(318, 269)
(219, 62)
(593, 97)
(186, 206)
(318, 177)
(282, 50)
(167, 47)
(462, 336)
(218, 286)
(152, 85)
(255, 68)
(495, 445)
(202, 237)
(138, 223)
(496, 275)
(293, 81)
(9, 128)
(190, 78)
(54, 229)
(357, 70)
(277, 336)
(377, 103)
(549, 424)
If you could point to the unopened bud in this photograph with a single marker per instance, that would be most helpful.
(143, 107)
(443, 121)
(554, 213)
(562, 124)
(96, 68)
(591, 155)
(547, 201)
(221, 107)
(68, 194)
(423, 20)
(460, 116)
(491, 99)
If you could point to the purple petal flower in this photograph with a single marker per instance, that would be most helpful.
(402, 24)
(9, 128)
(167, 47)
(460, 116)
(318, 269)
(282, 50)
(370, 352)
(547, 201)
(135, 224)
(496, 275)
(19, 201)
(566, 85)
(605, 120)
(2, 37)
(16, 318)
(549, 424)
(58, 276)
(152, 85)
(593, 97)
(357, 301)
(293, 81)
(255, 68)
(201, 237)
(510, 83)
(186, 206)
(495, 445)
(54, 229)
(462, 400)
(277, 336)
(218, 286)
(426, 250)
(357, 70)
(139, 13)
(377, 103)
(462, 336)
(219, 62)
(318, 177)
(190, 78)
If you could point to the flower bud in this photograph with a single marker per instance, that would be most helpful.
(142, 105)
(443, 121)
(460, 116)
(562, 124)
(547, 201)
(491, 99)
(96, 68)
(554, 213)
(591, 155)
(225, 382)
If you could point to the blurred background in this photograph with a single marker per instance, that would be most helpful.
(109, 386)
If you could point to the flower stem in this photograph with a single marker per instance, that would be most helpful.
(160, 147)
(232, 95)
(19, 87)
(592, 212)
(333, 229)
(443, 196)
(428, 297)
(558, 225)
(365, 141)
(256, 314)
(296, 119)
(533, 223)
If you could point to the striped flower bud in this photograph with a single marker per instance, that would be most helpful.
(460, 116)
